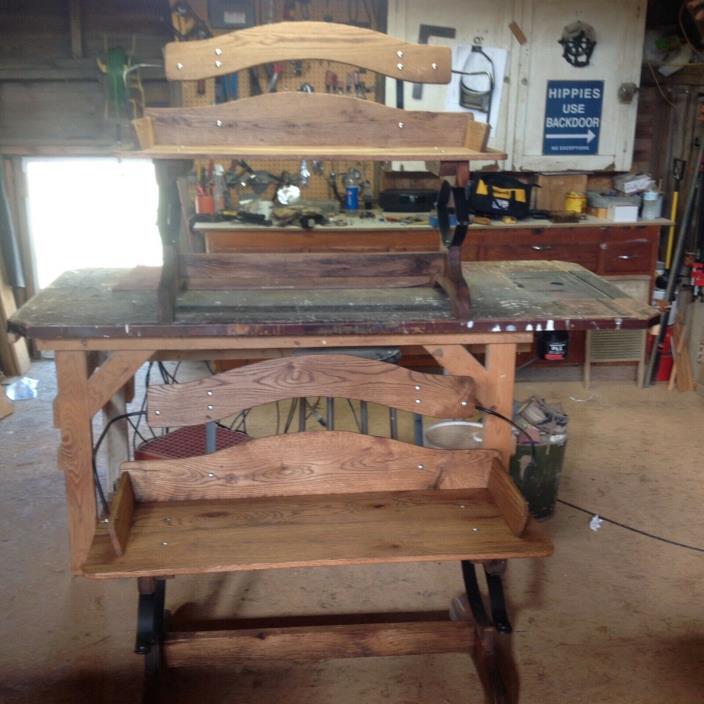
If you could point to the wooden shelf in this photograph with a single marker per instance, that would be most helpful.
(187, 537)
(318, 152)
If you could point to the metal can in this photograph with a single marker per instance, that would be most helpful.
(575, 202)
(352, 198)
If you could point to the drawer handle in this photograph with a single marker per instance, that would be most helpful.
(541, 247)
(628, 256)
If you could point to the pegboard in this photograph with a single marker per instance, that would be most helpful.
(312, 72)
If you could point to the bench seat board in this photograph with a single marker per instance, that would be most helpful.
(191, 537)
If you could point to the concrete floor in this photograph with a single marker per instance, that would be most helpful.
(611, 617)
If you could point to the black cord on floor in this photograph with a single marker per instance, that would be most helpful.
(584, 510)
(631, 528)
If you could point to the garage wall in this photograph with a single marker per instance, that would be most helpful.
(52, 95)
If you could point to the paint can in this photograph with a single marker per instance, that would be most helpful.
(575, 202)
(553, 345)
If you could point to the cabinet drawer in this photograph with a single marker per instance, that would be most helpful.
(585, 254)
(631, 256)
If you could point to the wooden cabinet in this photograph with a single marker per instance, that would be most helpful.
(615, 249)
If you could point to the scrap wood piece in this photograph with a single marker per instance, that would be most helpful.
(6, 406)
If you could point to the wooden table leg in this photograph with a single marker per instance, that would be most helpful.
(500, 364)
(495, 386)
(73, 418)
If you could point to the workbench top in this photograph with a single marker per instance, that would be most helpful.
(419, 221)
(513, 296)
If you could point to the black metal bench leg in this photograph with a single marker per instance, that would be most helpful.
(494, 571)
(150, 622)
(486, 652)
(474, 596)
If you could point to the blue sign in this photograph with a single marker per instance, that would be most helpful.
(572, 117)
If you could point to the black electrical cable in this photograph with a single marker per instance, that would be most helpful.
(491, 412)
(631, 528)
(585, 510)
(96, 448)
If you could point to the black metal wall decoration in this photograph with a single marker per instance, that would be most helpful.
(578, 41)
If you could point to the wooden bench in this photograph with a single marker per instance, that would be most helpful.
(302, 125)
(314, 499)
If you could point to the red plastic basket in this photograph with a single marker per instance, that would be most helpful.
(188, 441)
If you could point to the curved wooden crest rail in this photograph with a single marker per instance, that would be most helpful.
(309, 126)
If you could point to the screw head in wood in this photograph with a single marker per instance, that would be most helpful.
(163, 542)
(476, 530)
(210, 393)
(210, 407)
(399, 53)
(218, 64)
(218, 123)
(421, 466)
(417, 387)
(434, 66)
(218, 52)
(179, 66)
(157, 413)
(211, 475)
(463, 403)
(401, 125)
(399, 67)
(417, 400)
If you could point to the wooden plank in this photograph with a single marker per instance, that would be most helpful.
(333, 462)
(295, 152)
(112, 375)
(507, 497)
(316, 643)
(121, 512)
(263, 268)
(501, 368)
(144, 131)
(274, 283)
(14, 355)
(510, 297)
(291, 41)
(311, 120)
(553, 187)
(72, 416)
(192, 537)
(184, 344)
(457, 360)
(338, 375)
(6, 407)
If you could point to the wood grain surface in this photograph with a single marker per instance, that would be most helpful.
(190, 537)
(297, 270)
(510, 300)
(316, 643)
(507, 497)
(311, 120)
(291, 41)
(336, 375)
(121, 512)
(334, 462)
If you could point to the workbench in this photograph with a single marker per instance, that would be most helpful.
(92, 311)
